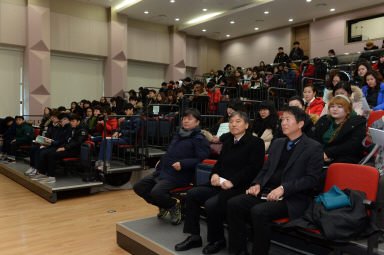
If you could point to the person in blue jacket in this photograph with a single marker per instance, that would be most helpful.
(373, 90)
(288, 76)
(176, 168)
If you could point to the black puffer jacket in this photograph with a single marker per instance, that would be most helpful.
(346, 147)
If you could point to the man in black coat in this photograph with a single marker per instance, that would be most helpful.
(71, 148)
(176, 168)
(281, 57)
(241, 158)
(296, 53)
(283, 188)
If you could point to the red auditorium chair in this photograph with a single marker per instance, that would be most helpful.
(347, 176)
(373, 116)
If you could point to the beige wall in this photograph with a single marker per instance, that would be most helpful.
(148, 42)
(13, 19)
(213, 55)
(192, 58)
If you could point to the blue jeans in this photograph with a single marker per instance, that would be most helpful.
(110, 143)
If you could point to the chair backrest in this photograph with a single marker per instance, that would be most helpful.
(351, 176)
(373, 116)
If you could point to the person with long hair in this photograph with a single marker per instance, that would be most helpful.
(362, 67)
(373, 90)
(335, 76)
(341, 132)
(352, 92)
(266, 123)
(379, 66)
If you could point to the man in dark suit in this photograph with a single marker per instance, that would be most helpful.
(283, 188)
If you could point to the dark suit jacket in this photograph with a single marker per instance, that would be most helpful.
(300, 176)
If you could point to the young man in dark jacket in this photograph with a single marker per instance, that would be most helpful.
(296, 53)
(281, 57)
(62, 136)
(23, 136)
(126, 134)
(176, 168)
(71, 148)
(283, 188)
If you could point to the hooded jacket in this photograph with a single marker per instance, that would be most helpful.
(356, 97)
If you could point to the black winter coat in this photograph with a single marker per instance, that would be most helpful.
(62, 137)
(240, 162)
(78, 136)
(189, 151)
(346, 147)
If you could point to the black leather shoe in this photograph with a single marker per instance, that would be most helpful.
(189, 243)
(214, 247)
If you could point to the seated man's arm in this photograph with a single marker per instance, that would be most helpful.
(312, 174)
(202, 150)
(76, 141)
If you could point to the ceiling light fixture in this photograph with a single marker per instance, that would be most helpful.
(308, 1)
(228, 35)
(332, 9)
(177, 19)
(203, 18)
(290, 20)
(171, 1)
(126, 4)
(204, 10)
(204, 30)
(266, 12)
(256, 28)
(232, 22)
(146, 12)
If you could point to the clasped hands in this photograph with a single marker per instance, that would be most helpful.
(274, 195)
(215, 181)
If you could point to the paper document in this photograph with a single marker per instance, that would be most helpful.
(377, 136)
(222, 180)
(264, 196)
(365, 104)
(41, 140)
(224, 128)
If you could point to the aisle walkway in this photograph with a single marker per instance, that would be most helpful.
(32, 226)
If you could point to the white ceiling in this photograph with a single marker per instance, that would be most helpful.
(247, 14)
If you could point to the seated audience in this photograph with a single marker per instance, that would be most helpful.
(23, 136)
(255, 80)
(214, 96)
(111, 125)
(352, 92)
(88, 117)
(362, 67)
(104, 102)
(335, 76)
(176, 168)
(46, 117)
(239, 162)
(281, 57)
(248, 75)
(332, 61)
(52, 132)
(313, 104)
(127, 134)
(288, 76)
(265, 123)
(308, 123)
(379, 66)
(8, 135)
(341, 132)
(62, 136)
(283, 187)
(306, 69)
(71, 148)
(373, 90)
(138, 106)
(92, 123)
(164, 88)
(76, 109)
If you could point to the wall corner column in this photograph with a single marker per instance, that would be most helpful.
(115, 75)
(37, 58)
(178, 53)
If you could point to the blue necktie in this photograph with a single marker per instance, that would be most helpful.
(290, 145)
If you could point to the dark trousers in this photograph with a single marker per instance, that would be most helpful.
(15, 146)
(156, 191)
(34, 155)
(245, 207)
(42, 159)
(54, 156)
(214, 200)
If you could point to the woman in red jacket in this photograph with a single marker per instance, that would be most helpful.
(313, 104)
(111, 125)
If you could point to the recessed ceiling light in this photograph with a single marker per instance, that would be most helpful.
(332, 9)
(228, 35)
(308, 1)
(204, 10)
(256, 28)
(204, 30)
(290, 20)
(146, 12)
(266, 12)
(172, 1)
(177, 19)
(232, 22)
